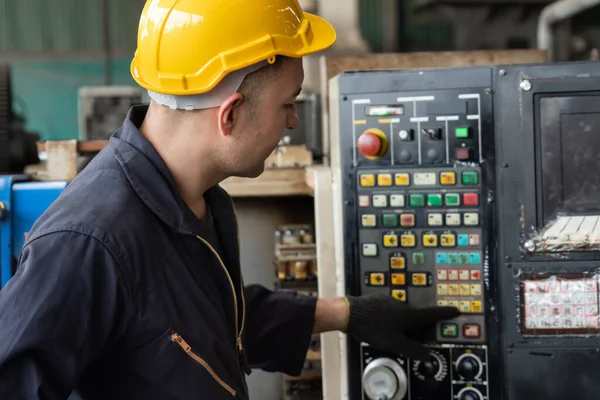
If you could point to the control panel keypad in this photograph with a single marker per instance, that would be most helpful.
(421, 238)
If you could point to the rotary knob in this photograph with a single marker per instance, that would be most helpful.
(372, 143)
(468, 367)
(384, 379)
(433, 368)
(470, 394)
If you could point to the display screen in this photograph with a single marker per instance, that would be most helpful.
(569, 140)
(382, 111)
(559, 305)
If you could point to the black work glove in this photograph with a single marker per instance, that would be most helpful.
(387, 324)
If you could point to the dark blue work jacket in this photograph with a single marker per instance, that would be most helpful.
(117, 296)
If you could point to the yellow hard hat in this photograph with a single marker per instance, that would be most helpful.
(185, 47)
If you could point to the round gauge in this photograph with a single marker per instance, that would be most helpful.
(384, 379)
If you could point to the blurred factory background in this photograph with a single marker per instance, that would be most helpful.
(54, 48)
(64, 75)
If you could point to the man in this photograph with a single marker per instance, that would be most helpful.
(129, 286)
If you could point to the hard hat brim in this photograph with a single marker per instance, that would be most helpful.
(324, 37)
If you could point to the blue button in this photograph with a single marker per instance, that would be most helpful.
(463, 240)
(441, 258)
(475, 258)
(452, 258)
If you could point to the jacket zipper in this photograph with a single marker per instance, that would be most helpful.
(175, 337)
(238, 332)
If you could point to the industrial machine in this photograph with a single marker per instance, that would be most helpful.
(21, 203)
(475, 188)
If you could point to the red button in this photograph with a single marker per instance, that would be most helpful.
(475, 276)
(471, 330)
(470, 199)
(462, 154)
(369, 144)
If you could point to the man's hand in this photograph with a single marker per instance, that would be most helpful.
(387, 324)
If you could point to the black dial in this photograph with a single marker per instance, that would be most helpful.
(468, 367)
(429, 368)
(470, 394)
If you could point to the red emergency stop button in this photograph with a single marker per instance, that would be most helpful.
(372, 143)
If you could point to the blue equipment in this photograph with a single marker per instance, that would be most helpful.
(22, 201)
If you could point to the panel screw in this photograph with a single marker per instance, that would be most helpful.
(525, 85)
(502, 72)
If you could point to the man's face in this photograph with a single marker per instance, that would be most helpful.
(261, 126)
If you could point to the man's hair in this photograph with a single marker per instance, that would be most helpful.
(254, 83)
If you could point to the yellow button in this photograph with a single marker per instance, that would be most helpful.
(397, 263)
(399, 295)
(442, 289)
(453, 290)
(419, 279)
(476, 290)
(390, 240)
(367, 180)
(402, 179)
(465, 306)
(407, 240)
(384, 179)
(454, 303)
(465, 290)
(442, 303)
(377, 279)
(476, 306)
(429, 240)
(448, 178)
(448, 240)
(398, 279)
(368, 220)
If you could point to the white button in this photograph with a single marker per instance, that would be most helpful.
(380, 200)
(435, 219)
(471, 219)
(425, 179)
(474, 240)
(363, 201)
(369, 250)
(397, 200)
(453, 219)
(369, 220)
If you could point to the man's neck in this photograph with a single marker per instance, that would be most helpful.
(192, 180)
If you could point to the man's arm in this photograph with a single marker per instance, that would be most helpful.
(67, 304)
(278, 329)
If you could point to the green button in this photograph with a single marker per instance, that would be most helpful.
(462, 132)
(449, 330)
(390, 220)
(470, 178)
(452, 199)
(434, 200)
(417, 200)
(418, 258)
(463, 258)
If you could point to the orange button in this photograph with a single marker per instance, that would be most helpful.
(407, 220)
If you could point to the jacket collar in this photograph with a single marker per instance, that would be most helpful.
(152, 181)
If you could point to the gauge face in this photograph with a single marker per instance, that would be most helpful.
(381, 383)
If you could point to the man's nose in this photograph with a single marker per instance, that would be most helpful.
(293, 121)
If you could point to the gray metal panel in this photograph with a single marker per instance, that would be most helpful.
(421, 80)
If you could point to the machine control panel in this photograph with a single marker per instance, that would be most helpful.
(415, 175)
(420, 240)
(457, 372)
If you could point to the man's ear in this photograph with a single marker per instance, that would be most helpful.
(229, 113)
